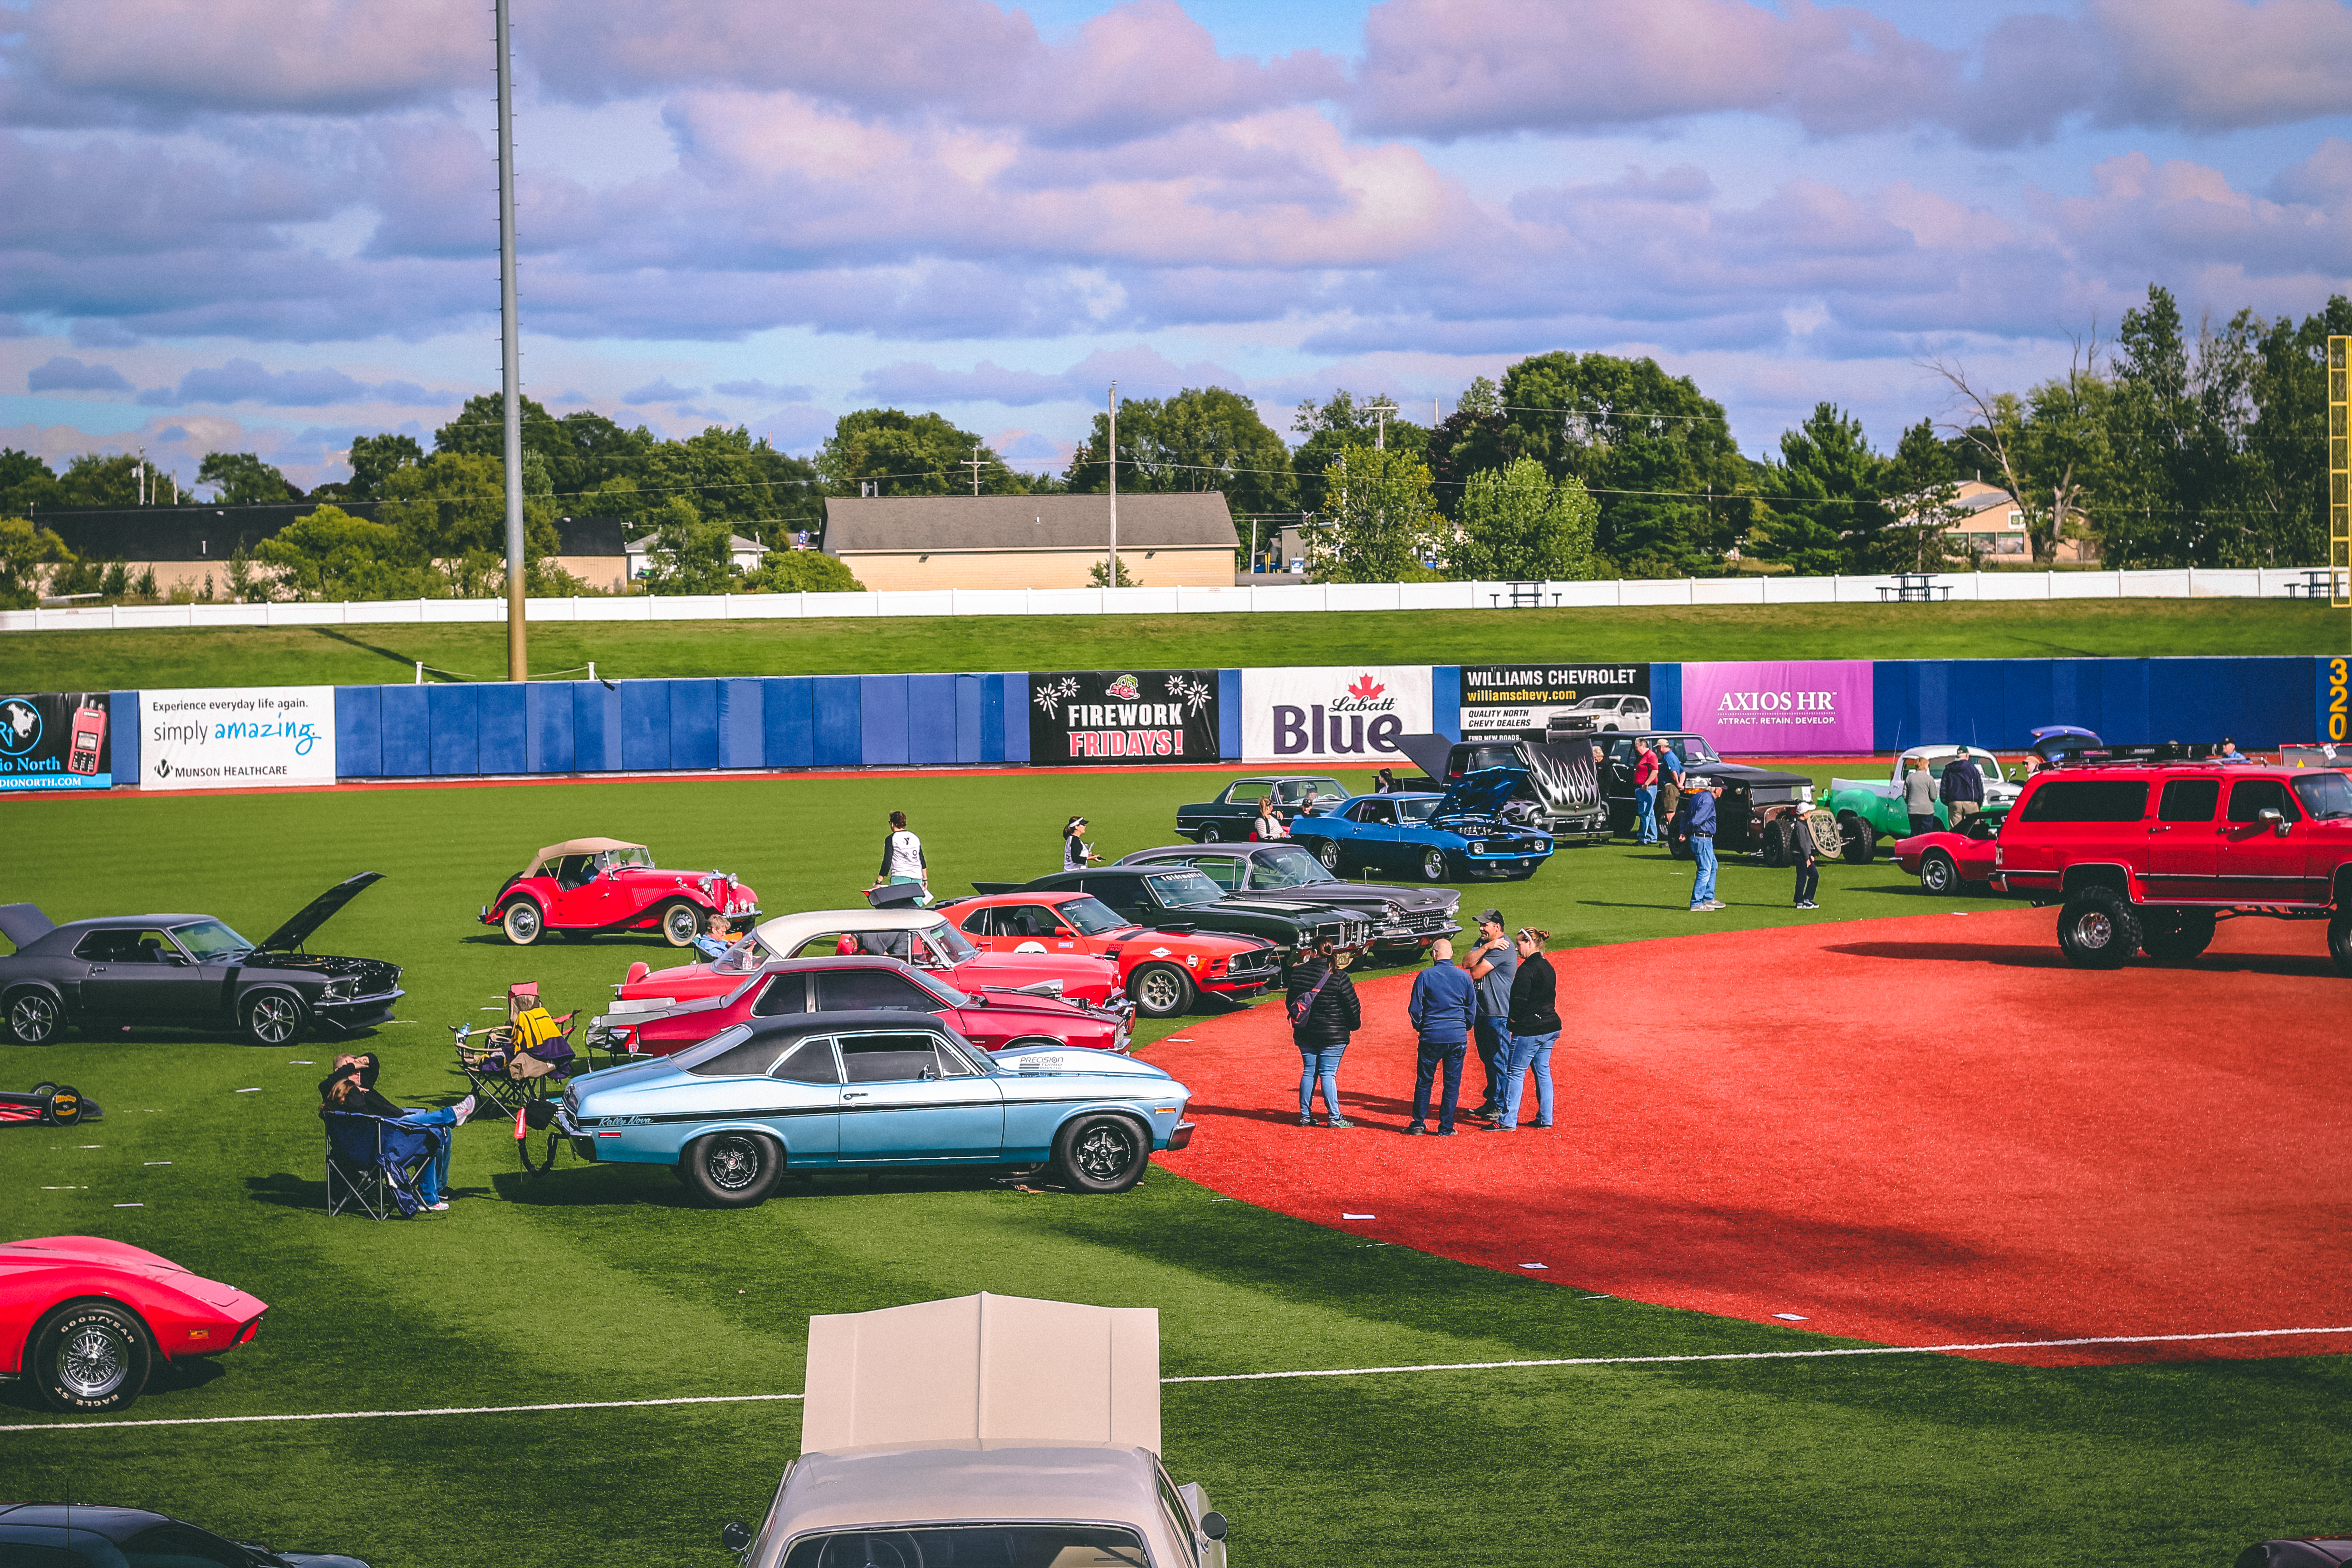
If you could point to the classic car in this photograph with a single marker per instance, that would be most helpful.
(991, 1431)
(102, 1535)
(188, 972)
(1595, 713)
(85, 1319)
(992, 1019)
(1879, 802)
(1179, 896)
(1232, 817)
(1402, 917)
(1560, 793)
(1461, 833)
(1953, 860)
(49, 1105)
(588, 887)
(871, 1089)
(1752, 796)
(924, 938)
(1161, 969)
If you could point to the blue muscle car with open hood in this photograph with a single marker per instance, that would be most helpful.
(810, 1091)
(1462, 833)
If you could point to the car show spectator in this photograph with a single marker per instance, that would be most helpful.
(1700, 829)
(1670, 788)
(1645, 792)
(1920, 797)
(902, 861)
(1535, 1029)
(1444, 1007)
(1269, 825)
(350, 1090)
(1384, 782)
(1077, 853)
(1492, 965)
(2229, 752)
(1806, 859)
(1963, 788)
(1324, 1011)
(716, 937)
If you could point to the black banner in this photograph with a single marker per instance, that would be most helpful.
(1512, 699)
(56, 740)
(1110, 717)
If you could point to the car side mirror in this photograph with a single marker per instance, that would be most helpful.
(177, 959)
(734, 1535)
(1212, 1525)
(1064, 930)
(2274, 819)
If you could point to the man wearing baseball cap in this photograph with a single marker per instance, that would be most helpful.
(1492, 963)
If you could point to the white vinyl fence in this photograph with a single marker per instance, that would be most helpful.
(2178, 584)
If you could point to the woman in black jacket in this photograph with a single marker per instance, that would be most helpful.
(1324, 1012)
(1535, 1029)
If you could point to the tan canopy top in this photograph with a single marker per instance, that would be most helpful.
(576, 847)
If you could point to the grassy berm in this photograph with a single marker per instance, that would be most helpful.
(600, 1284)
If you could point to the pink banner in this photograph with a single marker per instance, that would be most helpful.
(1787, 708)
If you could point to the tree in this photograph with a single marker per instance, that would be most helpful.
(451, 511)
(1826, 513)
(691, 553)
(1515, 524)
(92, 479)
(1333, 426)
(2282, 520)
(375, 458)
(749, 485)
(1383, 522)
(1475, 427)
(909, 455)
(1099, 574)
(242, 479)
(1920, 485)
(26, 482)
(480, 429)
(801, 571)
(1204, 438)
(329, 555)
(29, 556)
(2047, 468)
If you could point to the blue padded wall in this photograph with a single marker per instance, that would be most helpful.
(359, 732)
(122, 736)
(502, 728)
(992, 716)
(693, 724)
(644, 724)
(2129, 701)
(840, 742)
(1446, 699)
(882, 720)
(1229, 713)
(596, 725)
(743, 729)
(788, 722)
(407, 733)
(970, 701)
(453, 715)
(930, 720)
(548, 721)
(1666, 696)
(1016, 717)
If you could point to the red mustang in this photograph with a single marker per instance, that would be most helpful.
(1952, 861)
(590, 886)
(990, 1019)
(85, 1319)
(1162, 968)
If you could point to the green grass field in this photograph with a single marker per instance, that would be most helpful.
(360, 655)
(592, 1284)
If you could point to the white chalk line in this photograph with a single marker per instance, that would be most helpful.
(1221, 1377)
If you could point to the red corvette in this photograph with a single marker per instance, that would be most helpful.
(990, 1019)
(86, 1320)
(1162, 968)
(591, 886)
(1952, 861)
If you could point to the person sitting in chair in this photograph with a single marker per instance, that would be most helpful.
(350, 1090)
(717, 938)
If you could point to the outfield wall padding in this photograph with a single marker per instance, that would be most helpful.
(1997, 703)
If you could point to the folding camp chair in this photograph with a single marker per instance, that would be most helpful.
(373, 1163)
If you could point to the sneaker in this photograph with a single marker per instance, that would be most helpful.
(1306, 1121)
(1809, 904)
(1497, 1127)
(465, 1109)
(1716, 904)
(1443, 1132)
(441, 1207)
(1338, 1122)
(1416, 1131)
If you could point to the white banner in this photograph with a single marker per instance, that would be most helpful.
(1346, 715)
(241, 738)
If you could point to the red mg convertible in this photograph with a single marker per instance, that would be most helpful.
(596, 885)
(85, 1319)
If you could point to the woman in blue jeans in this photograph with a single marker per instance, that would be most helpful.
(1535, 1029)
(1323, 1012)
(350, 1089)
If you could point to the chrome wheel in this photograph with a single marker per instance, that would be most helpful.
(1209, 835)
(94, 1360)
(273, 1019)
(522, 922)
(2094, 930)
(1329, 853)
(1938, 874)
(1433, 866)
(33, 1018)
(1162, 991)
(1105, 1152)
(734, 1163)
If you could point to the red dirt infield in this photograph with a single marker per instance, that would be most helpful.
(1918, 1132)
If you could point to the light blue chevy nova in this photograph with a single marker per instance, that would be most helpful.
(868, 1090)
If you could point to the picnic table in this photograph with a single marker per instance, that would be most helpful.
(2318, 582)
(1523, 594)
(1912, 588)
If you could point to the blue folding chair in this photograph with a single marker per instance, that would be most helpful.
(373, 1163)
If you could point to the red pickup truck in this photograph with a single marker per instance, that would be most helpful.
(2150, 855)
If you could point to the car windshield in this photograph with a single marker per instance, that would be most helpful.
(2325, 795)
(1418, 810)
(947, 945)
(209, 941)
(1288, 866)
(1180, 890)
(1091, 917)
(973, 1546)
(614, 859)
(1691, 749)
(745, 957)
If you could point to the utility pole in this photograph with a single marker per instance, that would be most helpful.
(517, 653)
(1112, 452)
(1379, 412)
(975, 463)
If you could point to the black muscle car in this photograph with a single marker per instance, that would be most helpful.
(1401, 916)
(188, 972)
(1179, 896)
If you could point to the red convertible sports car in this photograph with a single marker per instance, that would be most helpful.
(1952, 861)
(1162, 968)
(85, 1319)
(591, 886)
(990, 1019)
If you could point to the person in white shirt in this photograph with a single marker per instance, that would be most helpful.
(1077, 853)
(1269, 825)
(902, 860)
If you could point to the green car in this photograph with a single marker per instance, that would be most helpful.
(1879, 802)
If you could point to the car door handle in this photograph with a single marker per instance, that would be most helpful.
(98, 969)
(861, 1094)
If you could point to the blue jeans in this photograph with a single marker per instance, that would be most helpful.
(1320, 1065)
(1703, 850)
(434, 1180)
(1529, 1051)
(1494, 1052)
(1434, 1055)
(1646, 814)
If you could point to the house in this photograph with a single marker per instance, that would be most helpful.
(745, 554)
(1030, 542)
(1990, 525)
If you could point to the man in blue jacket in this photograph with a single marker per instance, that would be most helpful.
(1701, 828)
(1442, 1006)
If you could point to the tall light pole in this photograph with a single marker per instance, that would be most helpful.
(1112, 581)
(518, 656)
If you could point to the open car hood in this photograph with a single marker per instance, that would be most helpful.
(315, 913)
(1481, 794)
(1430, 753)
(24, 924)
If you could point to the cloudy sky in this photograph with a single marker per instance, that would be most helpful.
(269, 225)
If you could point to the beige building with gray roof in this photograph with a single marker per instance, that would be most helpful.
(1031, 541)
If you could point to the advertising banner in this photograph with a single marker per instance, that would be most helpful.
(56, 740)
(1498, 699)
(1328, 717)
(1115, 717)
(243, 738)
(1790, 709)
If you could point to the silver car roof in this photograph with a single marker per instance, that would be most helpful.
(970, 1482)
